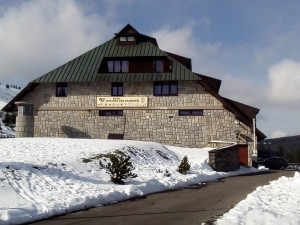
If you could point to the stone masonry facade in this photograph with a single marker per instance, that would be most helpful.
(77, 115)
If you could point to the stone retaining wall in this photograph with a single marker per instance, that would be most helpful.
(225, 159)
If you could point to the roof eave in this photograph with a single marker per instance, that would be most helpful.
(10, 106)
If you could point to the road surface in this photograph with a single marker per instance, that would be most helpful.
(194, 205)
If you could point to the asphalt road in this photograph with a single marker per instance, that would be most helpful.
(194, 205)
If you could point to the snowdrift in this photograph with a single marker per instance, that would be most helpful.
(43, 177)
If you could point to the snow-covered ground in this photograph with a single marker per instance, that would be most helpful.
(43, 177)
(276, 203)
(6, 94)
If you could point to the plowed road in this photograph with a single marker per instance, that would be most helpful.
(194, 205)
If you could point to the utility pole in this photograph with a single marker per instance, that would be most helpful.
(254, 152)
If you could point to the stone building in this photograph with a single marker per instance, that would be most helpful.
(128, 88)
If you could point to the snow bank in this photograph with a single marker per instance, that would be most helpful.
(276, 203)
(43, 177)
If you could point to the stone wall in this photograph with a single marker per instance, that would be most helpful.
(77, 115)
(190, 93)
(25, 126)
(225, 159)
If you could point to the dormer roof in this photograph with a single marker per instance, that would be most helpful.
(129, 30)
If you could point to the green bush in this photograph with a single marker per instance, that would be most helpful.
(9, 120)
(119, 168)
(184, 166)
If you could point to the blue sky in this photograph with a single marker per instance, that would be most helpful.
(252, 46)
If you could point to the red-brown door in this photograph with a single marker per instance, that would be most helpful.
(243, 151)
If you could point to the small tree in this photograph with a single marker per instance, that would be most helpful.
(119, 169)
(184, 166)
(9, 120)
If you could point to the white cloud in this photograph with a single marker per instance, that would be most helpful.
(242, 89)
(205, 58)
(284, 82)
(182, 41)
(278, 134)
(37, 36)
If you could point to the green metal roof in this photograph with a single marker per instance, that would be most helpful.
(85, 68)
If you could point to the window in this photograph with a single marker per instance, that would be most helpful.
(130, 38)
(28, 110)
(192, 112)
(159, 66)
(110, 112)
(61, 89)
(118, 66)
(25, 110)
(125, 66)
(117, 89)
(123, 39)
(165, 88)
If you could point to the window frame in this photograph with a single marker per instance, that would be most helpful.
(159, 68)
(123, 38)
(111, 113)
(126, 38)
(120, 88)
(190, 112)
(118, 66)
(61, 90)
(130, 38)
(164, 88)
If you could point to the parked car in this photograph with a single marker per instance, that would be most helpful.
(292, 166)
(274, 163)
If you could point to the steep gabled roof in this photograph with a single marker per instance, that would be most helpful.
(85, 68)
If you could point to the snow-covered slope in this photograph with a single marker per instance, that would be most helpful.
(43, 177)
(6, 94)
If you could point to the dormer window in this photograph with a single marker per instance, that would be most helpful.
(159, 66)
(129, 38)
(118, 66)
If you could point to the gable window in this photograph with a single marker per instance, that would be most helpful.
(61, 89)
(159, 66)
(117, 89)
(129, 38)
(118, 66)
(192, 112)
(165, 88)
(110, 112)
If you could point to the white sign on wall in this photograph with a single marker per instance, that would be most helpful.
(122, 102)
